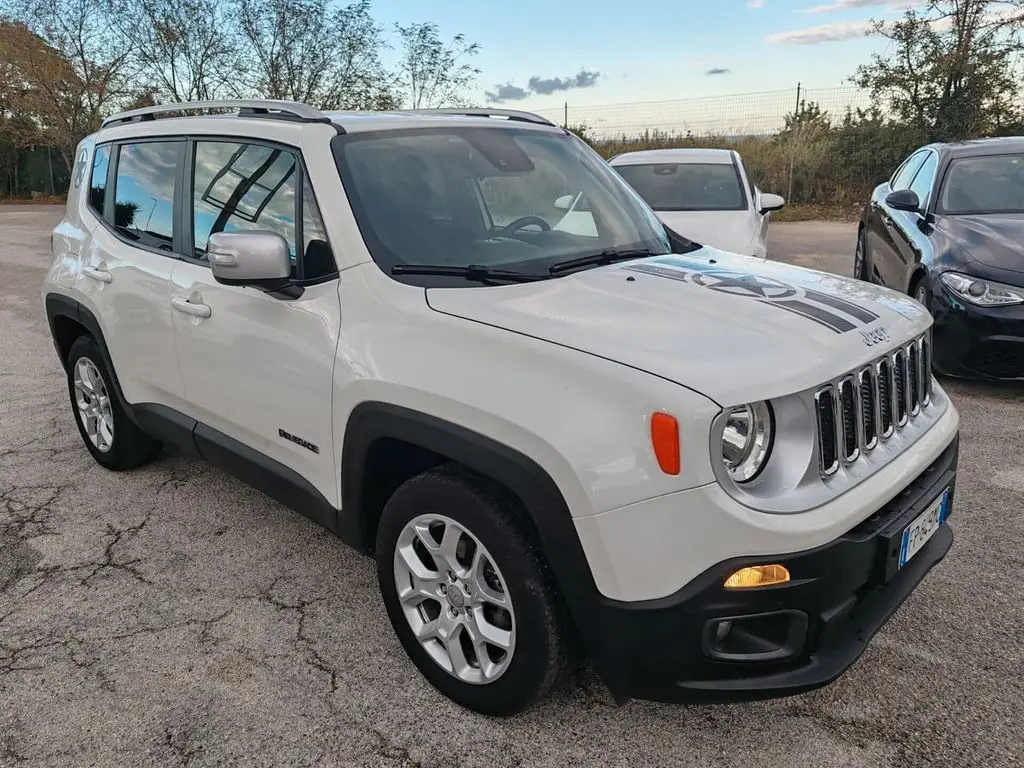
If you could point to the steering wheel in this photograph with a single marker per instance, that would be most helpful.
(525, 221)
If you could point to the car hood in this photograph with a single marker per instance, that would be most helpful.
(734, 328)
(732, 231)
(995, 240)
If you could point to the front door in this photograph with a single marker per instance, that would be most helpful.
(256, 368)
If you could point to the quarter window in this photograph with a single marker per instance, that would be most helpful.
(98, 178)
(144, 192)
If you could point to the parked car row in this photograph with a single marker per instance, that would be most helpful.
(947, 228)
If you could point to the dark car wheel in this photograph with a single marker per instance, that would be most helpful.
(920, 291)
(468, 593)
(860, 258)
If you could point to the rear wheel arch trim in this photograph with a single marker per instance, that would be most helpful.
(540, 496)
(58, 305)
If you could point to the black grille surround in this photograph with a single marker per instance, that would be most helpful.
(871, 404)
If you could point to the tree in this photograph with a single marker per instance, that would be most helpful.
(185, 50)
(70, 69)
(304, 50)
(953, 69)
(432, 73)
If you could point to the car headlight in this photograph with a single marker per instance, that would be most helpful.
(747, 440)
(984, 293)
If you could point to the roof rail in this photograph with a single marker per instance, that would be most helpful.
(284, 110)
(509, 114)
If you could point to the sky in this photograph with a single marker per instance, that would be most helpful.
(611, 51)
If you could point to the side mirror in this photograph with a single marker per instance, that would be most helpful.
(564, 203)
(258, 259)
(904, 200)
(771, 203)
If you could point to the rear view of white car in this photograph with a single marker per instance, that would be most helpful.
(705, 195)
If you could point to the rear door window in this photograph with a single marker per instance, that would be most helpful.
(144, 193)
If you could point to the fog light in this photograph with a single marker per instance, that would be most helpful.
(758, 576)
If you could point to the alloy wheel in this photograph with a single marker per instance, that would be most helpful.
(455, 599)
(93, 402)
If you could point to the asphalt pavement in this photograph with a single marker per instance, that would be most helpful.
(173, 616)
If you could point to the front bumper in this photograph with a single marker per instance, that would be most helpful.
(976, 342)
(839, 596)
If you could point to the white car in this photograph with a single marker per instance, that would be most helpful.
(711, 476)
(705, 195)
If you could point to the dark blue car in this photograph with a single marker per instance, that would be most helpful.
(948, 229)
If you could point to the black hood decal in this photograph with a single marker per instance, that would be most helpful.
(836, 314)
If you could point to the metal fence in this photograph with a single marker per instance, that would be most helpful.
(742, 114)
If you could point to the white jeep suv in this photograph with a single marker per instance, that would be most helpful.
(709, 476)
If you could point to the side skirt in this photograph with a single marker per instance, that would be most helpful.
(251, 467)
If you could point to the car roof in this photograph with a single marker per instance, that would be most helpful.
(678, 155)
(359, 122)
(974, 147)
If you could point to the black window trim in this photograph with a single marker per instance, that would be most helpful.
(186, 214)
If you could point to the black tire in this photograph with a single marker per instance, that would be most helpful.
(130, 446)
(543, 655)
(860, 271)
(919, 292)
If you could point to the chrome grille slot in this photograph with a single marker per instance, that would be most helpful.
(867, 387)
(914, 379)
(899, 372)
(926, 371)
(856, 411)
(828, 442)
(883, 378)
(848, 418)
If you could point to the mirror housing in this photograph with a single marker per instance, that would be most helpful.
(769, 203)
(904, 200)
(257, 259)
(564, 203)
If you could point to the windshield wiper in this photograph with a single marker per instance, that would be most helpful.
(609, 256)
(471, 272)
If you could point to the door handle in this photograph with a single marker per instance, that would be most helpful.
(189, 307)
(99, 275)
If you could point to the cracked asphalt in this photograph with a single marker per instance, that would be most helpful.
(173, 616)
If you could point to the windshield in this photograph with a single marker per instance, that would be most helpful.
(490, 197)
(687, 186)
(988, 184)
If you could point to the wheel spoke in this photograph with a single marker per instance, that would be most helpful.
(496, 636)
(428, 630)
(460, 664)
(418, 590)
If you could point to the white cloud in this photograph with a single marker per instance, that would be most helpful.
(846, 5)
(827, 33)
(755, 4)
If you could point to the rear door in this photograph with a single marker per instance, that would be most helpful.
(259, 369)
(125, 279)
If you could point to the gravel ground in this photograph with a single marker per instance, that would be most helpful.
(173, 616)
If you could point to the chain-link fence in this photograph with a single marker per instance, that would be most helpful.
(738, 115)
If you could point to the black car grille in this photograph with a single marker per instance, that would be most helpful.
(1000, 359)
(872, 403)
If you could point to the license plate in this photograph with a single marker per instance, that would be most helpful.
(917, 534)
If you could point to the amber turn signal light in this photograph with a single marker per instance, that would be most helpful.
(758, 576)
(665, 439)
